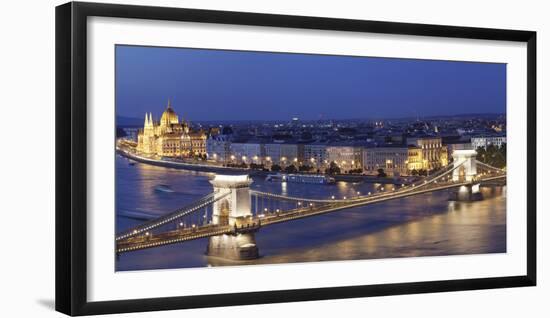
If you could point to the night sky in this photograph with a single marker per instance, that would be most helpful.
(239, 85)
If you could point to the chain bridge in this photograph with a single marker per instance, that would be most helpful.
(232, 214)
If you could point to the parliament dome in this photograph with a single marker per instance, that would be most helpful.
(169, 116)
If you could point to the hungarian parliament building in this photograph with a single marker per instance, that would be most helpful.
(170, 137)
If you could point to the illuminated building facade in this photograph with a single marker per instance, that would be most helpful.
(393, 160)
(315, 155)
(427, 153)
(169, 137)
(345, 156)
(484, 141)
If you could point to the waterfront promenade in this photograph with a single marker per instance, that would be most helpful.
(210, 167)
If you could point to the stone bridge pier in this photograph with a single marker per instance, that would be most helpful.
(233, 210)
(467, 193)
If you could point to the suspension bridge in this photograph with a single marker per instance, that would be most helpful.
(232, 213)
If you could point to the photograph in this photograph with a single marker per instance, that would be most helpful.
(233, 158)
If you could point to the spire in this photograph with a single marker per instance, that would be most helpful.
(169, 104)
(146, 123)
(151, 119)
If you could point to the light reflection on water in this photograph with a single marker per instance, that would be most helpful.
(424, 225)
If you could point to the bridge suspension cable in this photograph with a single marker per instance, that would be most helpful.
(193, 207)
(488, 166)
(427, 181)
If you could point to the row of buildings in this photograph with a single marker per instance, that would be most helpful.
(417, 154)
(173, 138)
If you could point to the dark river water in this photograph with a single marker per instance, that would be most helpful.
(423, 225)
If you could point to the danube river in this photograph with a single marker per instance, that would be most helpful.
(423, 225)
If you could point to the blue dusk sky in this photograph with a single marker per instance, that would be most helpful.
(241, 85)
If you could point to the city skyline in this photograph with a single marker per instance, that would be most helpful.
(217, 85)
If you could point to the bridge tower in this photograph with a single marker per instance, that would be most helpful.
(466, 159)
(233, 210)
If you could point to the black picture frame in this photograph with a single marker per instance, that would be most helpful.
(71, 157)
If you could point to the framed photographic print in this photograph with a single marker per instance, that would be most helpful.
(209, 158)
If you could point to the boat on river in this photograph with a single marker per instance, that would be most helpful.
(300, 178)
(164, 188)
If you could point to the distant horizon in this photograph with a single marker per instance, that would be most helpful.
(230, 85)
(139, 121)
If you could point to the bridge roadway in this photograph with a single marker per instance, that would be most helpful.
(254, 223)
